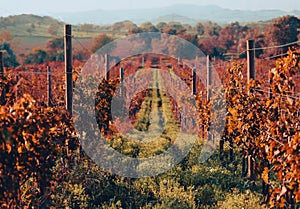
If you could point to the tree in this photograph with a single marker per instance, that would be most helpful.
(174, 28)
(282, 31)
(123, 26)
(161, 26)
(5, 36)
(148, 27)
(187, 27)
(252, 34)
(199, 28)
(135, 30)
(211, 28)
(38, 56)
(100, 41)
(211, 46)
(117, 26)
(191, 38)
(55, 49)
(231, 34)
(10, 59)
(128, 25)
(55, 44)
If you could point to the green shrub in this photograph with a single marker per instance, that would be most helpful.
(239, 200)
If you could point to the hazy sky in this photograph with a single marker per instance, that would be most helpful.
(8, 7)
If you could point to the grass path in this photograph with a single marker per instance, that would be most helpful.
(156, 127)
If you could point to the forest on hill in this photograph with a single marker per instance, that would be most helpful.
(32, 36)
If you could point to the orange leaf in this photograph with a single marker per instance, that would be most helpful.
(282, 203)
(265, 175)
(8, 147)
(297, 196)
(20, 150)
(280, 175)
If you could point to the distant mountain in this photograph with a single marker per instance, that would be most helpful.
(175, 18)
(189, 13)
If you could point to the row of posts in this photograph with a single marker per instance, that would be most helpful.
(250, 70)
(68, 69)
(208, 79)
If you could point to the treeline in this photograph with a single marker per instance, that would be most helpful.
(220, 41)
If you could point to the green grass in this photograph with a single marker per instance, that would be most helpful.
(156, 128)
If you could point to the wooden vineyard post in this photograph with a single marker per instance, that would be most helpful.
(208, 95)
(1, 64)
(271, 81)
(106, 67)
(208, 89)
(250, 75)
(107, 77)
(121, 81)
(68, 67)
(3, 93)
(250, 60)
(194, 82)
(209, 78)
(49, 87)
(121, 74)
(179, 61)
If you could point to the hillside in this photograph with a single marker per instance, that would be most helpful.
(33, 31)
(30, 25)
